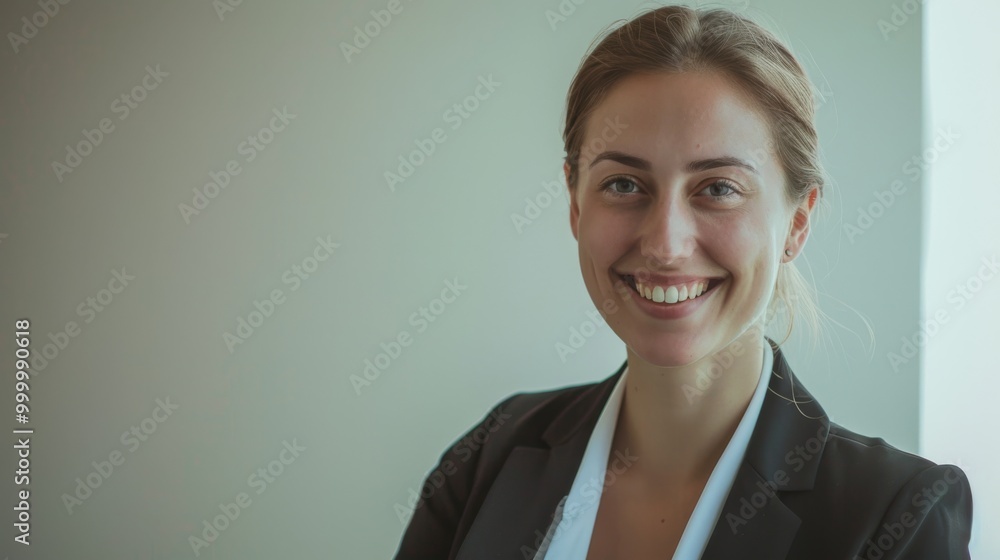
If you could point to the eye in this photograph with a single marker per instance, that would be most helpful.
(724, 186)
(608, 186)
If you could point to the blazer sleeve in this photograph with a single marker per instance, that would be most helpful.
(929, 519)
(434, 527)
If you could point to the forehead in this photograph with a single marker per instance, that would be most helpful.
(681, 116)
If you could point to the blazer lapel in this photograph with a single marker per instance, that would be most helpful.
(782, 456)
(519, 508)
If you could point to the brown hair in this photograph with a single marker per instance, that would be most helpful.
(682, 39)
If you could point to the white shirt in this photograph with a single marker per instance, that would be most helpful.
(569, 535)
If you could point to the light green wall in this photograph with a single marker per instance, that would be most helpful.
(323, 176)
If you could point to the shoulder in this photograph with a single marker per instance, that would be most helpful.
(851, 453)
(871, 462)
(522, 418)
(451, 494)
(538, 408)
(518, 419)
(888, 500)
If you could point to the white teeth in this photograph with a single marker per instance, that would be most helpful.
(672, 294)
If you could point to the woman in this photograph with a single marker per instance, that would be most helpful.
(692, 170)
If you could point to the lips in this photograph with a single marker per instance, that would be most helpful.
(672, 284)
(661, 310)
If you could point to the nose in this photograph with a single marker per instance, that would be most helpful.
(668, 233)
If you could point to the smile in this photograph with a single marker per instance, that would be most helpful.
(671, 294)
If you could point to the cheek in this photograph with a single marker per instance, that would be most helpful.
(604, 237)
(734, 240)
(738, 243)
(746, 252)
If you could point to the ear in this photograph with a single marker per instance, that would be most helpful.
(574, 206)
(799, 231)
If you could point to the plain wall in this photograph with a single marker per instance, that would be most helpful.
(961, 290)
(323, 175)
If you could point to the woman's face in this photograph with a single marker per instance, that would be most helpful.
(662, 196)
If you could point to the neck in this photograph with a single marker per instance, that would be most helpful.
(679, 420)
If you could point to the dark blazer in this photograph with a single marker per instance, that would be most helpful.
(807, 488)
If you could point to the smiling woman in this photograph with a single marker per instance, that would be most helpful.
(677, 205)
(687, 224)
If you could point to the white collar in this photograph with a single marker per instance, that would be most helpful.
(570, 533)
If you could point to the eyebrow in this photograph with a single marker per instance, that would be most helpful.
(693, 166)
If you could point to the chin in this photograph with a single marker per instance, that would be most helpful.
(668, 349)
